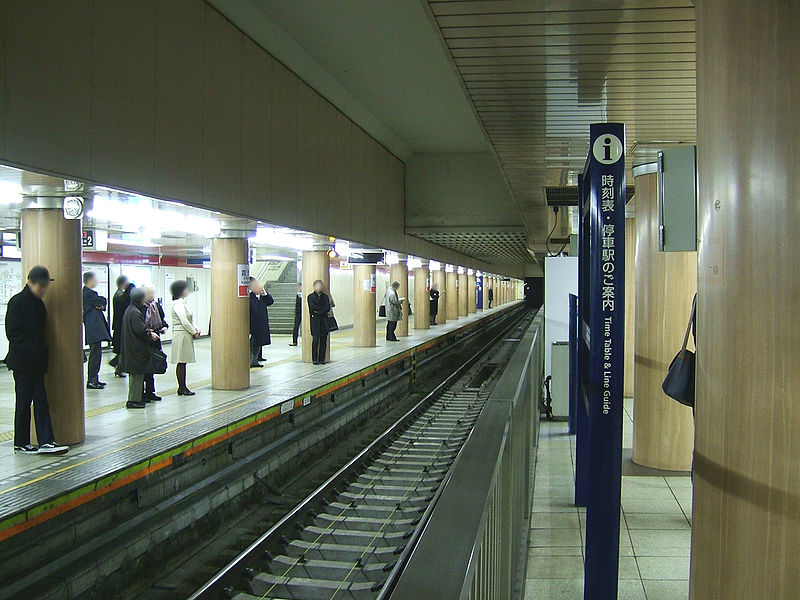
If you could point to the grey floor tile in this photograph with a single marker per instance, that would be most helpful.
(664, 567)
(555, 537)
(555, 520)
(666, 590)
(671, 520)
(656, 505)
(555, 567)
(554, 589)
(660, 542)
(555, 551)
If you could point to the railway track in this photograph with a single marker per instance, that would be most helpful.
(349, 539)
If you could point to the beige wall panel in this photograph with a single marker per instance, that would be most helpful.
(326, 194)
(364, 309)
(283, 150)
(123, 93)
(46, 103)
(3, 40)
(222, 106)
(256, 128)
(630, 307)
(344, 180)
(663, 430)
(178, 146)
(746, 511)
(307, 165)
(360, 187)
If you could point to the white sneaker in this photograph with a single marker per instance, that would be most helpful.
(53, 448)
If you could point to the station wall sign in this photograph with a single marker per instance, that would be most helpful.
(243, 272)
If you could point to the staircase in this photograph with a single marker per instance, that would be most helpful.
(281, 314)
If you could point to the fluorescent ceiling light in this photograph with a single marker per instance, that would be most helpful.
(135, 243)
(276, 257)
(414, 262)
(10, 193)
(282, 238)
(435, 265)
(391, 258)
(461, 270)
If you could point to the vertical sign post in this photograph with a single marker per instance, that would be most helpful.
(602, 321)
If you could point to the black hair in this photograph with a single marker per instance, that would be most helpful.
(121, 280)
(177, 288)
(87, 277)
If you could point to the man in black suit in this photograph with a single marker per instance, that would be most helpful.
(298, 314)
(95, 329)
(119, 304)
(27, 359)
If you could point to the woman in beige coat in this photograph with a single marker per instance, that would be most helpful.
(184, 333)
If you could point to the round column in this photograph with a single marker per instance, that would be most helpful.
(451, 278)
(472, 293)
(440, 279)
(630, 287)
(463, 295)
(399, 273)
(422, 299)
(364, 310)
(315, 265)
(50, 240)
(663, 430)
(485, 291)
(230, 314)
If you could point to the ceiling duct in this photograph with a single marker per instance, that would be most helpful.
(567, 195)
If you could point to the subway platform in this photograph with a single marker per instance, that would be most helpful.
(123, 446)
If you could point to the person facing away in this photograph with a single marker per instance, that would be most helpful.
(394, 311)
(260, 299)
(119, 304)
(434, 297)
(491, 297)
(184, 333)
(298, 314)
(27, 358)
(95, 329)
(319, 307)
(135, 357)
(155, 320)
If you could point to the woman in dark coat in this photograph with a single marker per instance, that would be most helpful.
(260, 299)
(95, 328)
(135, 357)
(319, 306)
(119, 304)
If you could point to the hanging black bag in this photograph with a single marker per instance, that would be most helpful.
(330, 322)
(382, 310)
(679, 382)
(159, 361)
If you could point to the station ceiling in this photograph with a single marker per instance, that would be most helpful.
(519, 80)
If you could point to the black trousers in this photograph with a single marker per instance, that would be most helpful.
(433, 319)
(296, 330)
(319, 346)
(29, 388)
(255, 352)
(390, 327)
(93, 366)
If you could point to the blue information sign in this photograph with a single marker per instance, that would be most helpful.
(601, 337)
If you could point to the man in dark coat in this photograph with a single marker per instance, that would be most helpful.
(95, 328)
(319, 306)
(135, 357)
(491, 297)
(260, 299)
(298, 314)
(434, 300)
(119, 304)
(27, 358)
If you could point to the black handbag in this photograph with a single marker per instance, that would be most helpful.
(679, 382)
(159, 361)
(330, 323)
(382, 310)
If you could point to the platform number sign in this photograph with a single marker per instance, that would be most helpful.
(87, 238)
(600, 357)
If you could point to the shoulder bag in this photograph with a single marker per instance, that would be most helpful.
(679, 382)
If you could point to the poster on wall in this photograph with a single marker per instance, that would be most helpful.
(244, 280)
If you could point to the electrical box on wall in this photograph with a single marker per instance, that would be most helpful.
(677, 199)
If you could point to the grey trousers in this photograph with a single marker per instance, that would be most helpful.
(135, 387)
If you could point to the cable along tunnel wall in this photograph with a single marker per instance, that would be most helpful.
(474, 545)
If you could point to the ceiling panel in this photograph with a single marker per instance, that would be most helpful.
(540, 72)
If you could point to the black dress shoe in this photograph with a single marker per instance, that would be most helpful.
(186, 392)
(102, 383)
(316, 362)
(94, 386)
(135, 404)
(150, 396)
(256, 366)
(120, 375)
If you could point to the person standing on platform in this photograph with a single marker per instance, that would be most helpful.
(394, 311)
(95, 328)
(155, 320)
(184, 333)
(27, 359)
(319, 307)
(260, 299)
(298, 314)
(136, 359)
(119, 304)
(434, 295)
(491, 297)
